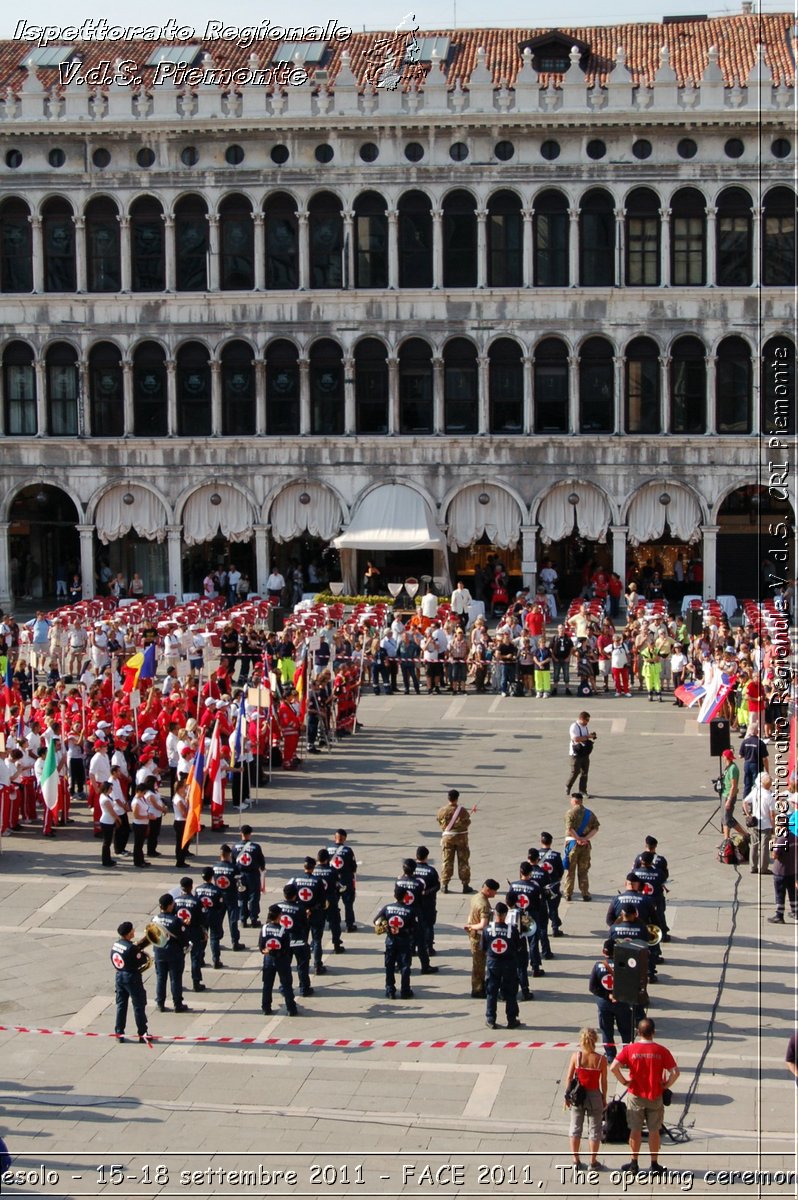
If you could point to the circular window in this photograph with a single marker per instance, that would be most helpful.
(145, 157)
(734, 148)
(324, 153)
(550, 149)
(369, 152)
(504, 151)
(189, 156)
(458, 152)
(781, 148)
(13, 159)
(414, 152)
(687, 148)
(56, 158)
(234, 155)
(101, 157)
(279, 155)
(642, 148)
(596, 148)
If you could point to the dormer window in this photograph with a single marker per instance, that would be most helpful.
(551, 52)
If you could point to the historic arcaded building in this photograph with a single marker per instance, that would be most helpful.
(523, 291)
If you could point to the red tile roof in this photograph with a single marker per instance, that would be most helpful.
(735, 38)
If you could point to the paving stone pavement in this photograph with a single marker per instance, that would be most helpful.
(458, 1122)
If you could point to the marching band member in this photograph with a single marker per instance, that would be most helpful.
(129, 961)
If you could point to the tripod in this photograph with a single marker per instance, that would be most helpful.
(718, 809)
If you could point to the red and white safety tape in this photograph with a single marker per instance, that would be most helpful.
(313, 1043)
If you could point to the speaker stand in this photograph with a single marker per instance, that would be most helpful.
(710, 819)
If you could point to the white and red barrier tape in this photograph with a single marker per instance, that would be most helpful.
(312, 1043)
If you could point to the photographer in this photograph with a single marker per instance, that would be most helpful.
(579, 751)
(758, 809)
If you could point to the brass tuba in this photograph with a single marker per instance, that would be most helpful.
(154, 935)
(654, 935)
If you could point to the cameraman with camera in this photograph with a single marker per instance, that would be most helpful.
(758, 809)
(579, 751)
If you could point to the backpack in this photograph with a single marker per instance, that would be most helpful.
(726, 852)
(741, 847)
(615, 1127)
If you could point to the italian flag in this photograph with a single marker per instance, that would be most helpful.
(49, 784)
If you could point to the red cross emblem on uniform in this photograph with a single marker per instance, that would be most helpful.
(273, 944)
(305, 893)
(245, 858)
(185, 915)
(547, 867)
(118, 960)
(608, 981)
(337, 862)
(498, 945)
(206, 902)
(523, 900)
(395, 924)
(223, 881)
(648, 889)
(286, 921)
(408, 898)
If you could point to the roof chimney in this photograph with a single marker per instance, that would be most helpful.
(748, 7)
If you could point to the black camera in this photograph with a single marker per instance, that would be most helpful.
(718, 785)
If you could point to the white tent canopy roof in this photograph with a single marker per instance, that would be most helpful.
(392, 517)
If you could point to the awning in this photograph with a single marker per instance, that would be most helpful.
(556, 513)
(648, 514)
(216, 508)
(305, 507)
(392, 517)
(127, 507)
(499, 517)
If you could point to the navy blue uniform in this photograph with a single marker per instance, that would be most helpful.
(653, 887)
(429, 901)
(294, 918)
(527, 896)
(401, 922)
(414, 889)
(501, 944)
(274, 944)
(342, 860)
(540, 876)
(611, 1013)
(211, 897)
(551, 862)
(226, 877)
(128, 961)
(622, 931)
(249, 859)
(642, 904)
(312, 895)
(329, 877)
(170, 960)
(189, 908)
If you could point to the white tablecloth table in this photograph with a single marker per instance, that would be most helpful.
(728, 604)
(475, 609)
(687, 600)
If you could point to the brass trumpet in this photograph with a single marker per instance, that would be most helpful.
(654, 935)
(154, 935)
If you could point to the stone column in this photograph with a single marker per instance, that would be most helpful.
(171, 397)
(756, 246)
(80, 253)
(84, 400)
(620, 247)
(573, 248)
(349, 249)
(437, 248)
(216, 398)
(2, 405)
(483, 394)
(87, 560)
(259, 251)
(665, 246)
(529, 566)
(129, 417)
(393, 249)
(528, 419)
(304, 396)
(260, 396)
(125, 263)
(348, 561)
(712, 213)
(262, 567)
(482, 247)
(37, 253)
(6, 599)
(438, 409)
(712, 362)
(618, 394)
(169, 253)
(174, 535)
(303, 219)
(41, 397)
(213, 254)
(527, 248)
(394, 422)
(710, 557)
(350, 413)
(573, 393)
(619, 533)
(664, 394)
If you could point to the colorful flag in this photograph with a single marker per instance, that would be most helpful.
(131, 670)
(9, 679)
(49, 783)
(690, 693)
(718, 688)
(238, 740)
(147, 669)
(301, 682)
(196, 781)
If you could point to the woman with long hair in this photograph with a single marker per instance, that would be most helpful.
(590, 1068)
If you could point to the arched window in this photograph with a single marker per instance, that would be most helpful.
(282, 247)
(106, 391)
(551, 386)
(149, 391)
(733, 259)
(238, 390)
(596, 387)
(416, 407)
(642, 398)
(778, 388)
(19, 388)
(191, 245)
(505, 240)
(58, 233)
(688, 386)
(103, 262)
(193, 391)
(148, 266)
(326, 388)
(551, 226)
(778, 242)
(733, 386)
(506, 379)
(459, 240)
(688, 239)
(415, 241)
(16, 255)
(282, 389)
(642, 238)
(460, 387)
(236, 245)
(326, 241)
(371, 241)
(371, 386)
(597, 239)
(61, 367)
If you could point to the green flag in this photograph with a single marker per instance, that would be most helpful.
(50, 778)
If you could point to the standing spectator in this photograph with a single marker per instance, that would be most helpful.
(136, 587)
(371, 579)
(729, 794)
(506, 656)
(581, 826)
(590, 1068)
(619, 665)
(754, 754)
(784, 862)
(275, 585)
(233, 580)
(758, 807)
(562, 648)
(652, 1069)
(460, 601)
